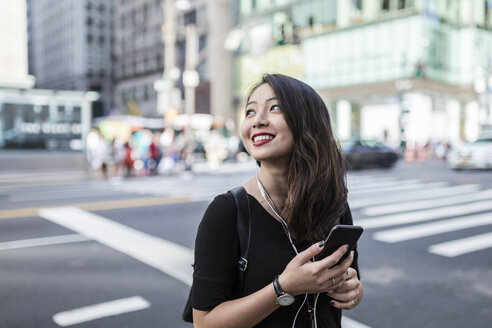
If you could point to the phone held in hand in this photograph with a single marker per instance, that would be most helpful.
(340, 235)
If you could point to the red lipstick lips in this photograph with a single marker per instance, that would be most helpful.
(262, 138)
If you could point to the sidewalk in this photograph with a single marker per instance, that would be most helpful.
(43, 167)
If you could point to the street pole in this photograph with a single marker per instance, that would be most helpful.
(169, 37)
(191, 80)
(165, 87)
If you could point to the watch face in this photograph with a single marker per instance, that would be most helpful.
(285, 300)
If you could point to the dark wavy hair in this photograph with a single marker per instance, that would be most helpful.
(317, 194)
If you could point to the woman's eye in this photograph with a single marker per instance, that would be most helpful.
(249, 112)
(275, 107)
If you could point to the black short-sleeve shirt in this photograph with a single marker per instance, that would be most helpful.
(216, 269)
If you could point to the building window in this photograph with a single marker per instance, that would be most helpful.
(385, 5)
(357, 4)
(89, 21)
(190, 17)
(89, 38)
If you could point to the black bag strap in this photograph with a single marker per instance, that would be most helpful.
(243, 227)
(244, 234)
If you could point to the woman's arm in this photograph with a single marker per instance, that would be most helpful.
(299, 277)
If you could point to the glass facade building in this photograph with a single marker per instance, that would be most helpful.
(411, 70)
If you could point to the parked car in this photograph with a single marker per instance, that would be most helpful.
(368, 153)
(474, 155)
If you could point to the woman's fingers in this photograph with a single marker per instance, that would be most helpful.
(309, 253)
(332, 260)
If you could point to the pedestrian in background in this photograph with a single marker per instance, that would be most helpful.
(297, 197)
(128, 161)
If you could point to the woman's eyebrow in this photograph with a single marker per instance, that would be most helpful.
(254, 102)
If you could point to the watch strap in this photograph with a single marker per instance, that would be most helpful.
(276, 285)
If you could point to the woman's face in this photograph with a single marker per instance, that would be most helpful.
(264, 131)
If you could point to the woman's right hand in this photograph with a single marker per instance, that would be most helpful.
(302, 276)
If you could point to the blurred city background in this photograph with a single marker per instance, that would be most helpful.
(119, 123)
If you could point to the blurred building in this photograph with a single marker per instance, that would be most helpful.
(140, 55)
(396, 70)
(34, 118)
(70, 47)
(13, 49)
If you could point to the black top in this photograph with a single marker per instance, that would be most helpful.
(216, 270)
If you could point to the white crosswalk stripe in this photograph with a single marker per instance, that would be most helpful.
(417, 205)
(414, 204)
(427, 193)
(463, 246)
(429, 229)
(396, 187)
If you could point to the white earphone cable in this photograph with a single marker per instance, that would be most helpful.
(272, 206)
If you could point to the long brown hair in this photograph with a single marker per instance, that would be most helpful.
(317, 194)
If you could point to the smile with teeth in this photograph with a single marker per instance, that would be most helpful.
(262, 137)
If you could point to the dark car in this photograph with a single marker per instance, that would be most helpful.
(368, 153)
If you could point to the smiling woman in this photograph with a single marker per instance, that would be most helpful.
(297, 197)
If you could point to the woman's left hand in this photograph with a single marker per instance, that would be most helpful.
(348, 293)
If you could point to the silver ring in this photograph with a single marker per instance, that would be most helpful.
(334, 283)
(353, 303)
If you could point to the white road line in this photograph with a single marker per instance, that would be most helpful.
(462, 246)
(381, 184)
(45, 241)
(417, 185)
(418, 205)
(356, 182)
(349, 323)
(101, 310)
(172, 259)
(427, 193)
(425, 215)
(429, 229)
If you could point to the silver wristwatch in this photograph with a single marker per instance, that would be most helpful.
(283, 298)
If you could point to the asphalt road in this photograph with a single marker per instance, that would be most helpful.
(67, 246)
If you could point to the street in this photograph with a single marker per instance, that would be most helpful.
(118, 253)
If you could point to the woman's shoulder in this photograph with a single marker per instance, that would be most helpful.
(220, 212)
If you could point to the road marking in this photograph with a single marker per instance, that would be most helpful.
(429, 229)
(350, 323)
(425, 215)
(416, 185)
(172, 259)
(418, 205)
(381, 184)
(99, 206)
(101, 310)
(45, 241)
(462, 246)
(359, 202)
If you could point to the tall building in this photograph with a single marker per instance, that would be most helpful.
(406, 71)
(13, 49)
(70, 44)
(140, 52)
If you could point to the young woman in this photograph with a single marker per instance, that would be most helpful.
(298, 195)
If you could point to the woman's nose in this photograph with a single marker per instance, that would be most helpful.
(260, 120)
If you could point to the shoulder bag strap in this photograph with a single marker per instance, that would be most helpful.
(243, 226)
